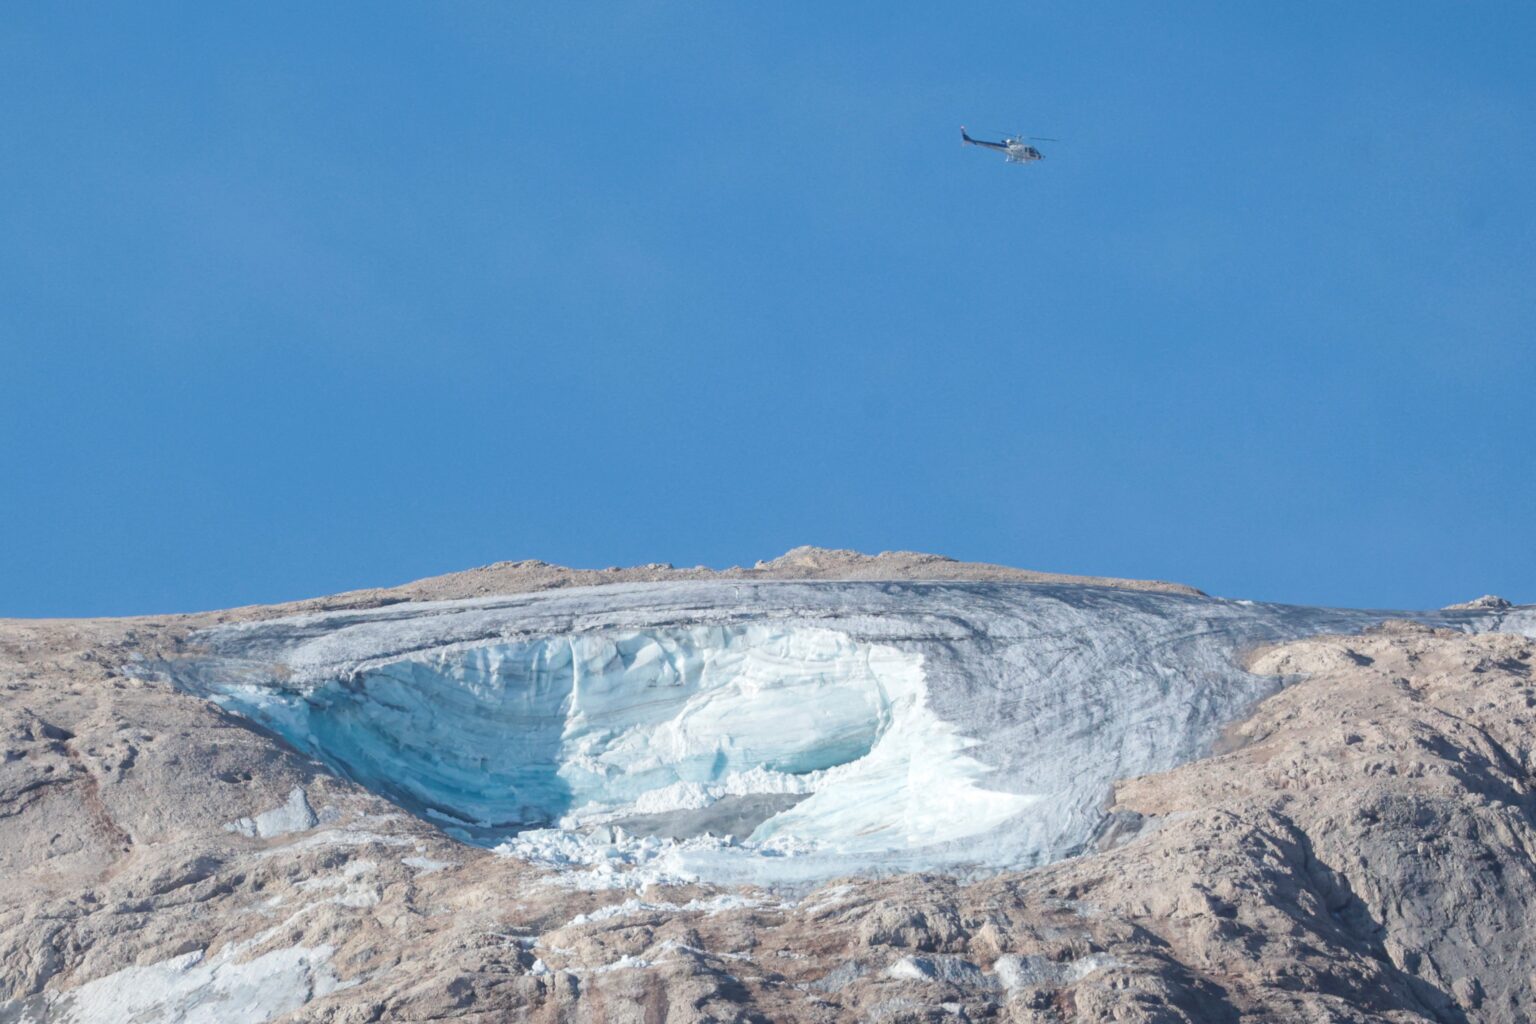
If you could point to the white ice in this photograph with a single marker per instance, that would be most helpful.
(578, 728)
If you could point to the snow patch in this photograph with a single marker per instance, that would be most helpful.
(339, 837)
(355, 891)
(629, 908)
(1038, 972)
(192, 989)
(951, 970)
(294, 816)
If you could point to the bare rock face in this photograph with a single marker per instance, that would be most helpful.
(1358, 846)
(1493, 601)
(802, 563)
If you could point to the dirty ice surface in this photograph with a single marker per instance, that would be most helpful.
(192, 989)
(763, 732)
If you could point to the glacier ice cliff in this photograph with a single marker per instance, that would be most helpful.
(822, 726)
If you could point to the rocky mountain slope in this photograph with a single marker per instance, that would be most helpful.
(1094, 802)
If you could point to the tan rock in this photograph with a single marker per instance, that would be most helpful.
(1364, 850)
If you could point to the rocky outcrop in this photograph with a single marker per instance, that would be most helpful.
(802, 563)
(1492, 601)
(1362, 849)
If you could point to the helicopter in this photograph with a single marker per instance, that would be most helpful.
(1015, 148)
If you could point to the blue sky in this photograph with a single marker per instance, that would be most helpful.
(306, 297)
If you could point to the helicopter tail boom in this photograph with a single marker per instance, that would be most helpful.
(966, 140)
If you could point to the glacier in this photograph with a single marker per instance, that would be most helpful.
(765, 731)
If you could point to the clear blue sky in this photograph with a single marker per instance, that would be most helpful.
(302, 297)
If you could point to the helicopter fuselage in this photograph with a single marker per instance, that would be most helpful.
(1015, 151)
(1020, 153)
